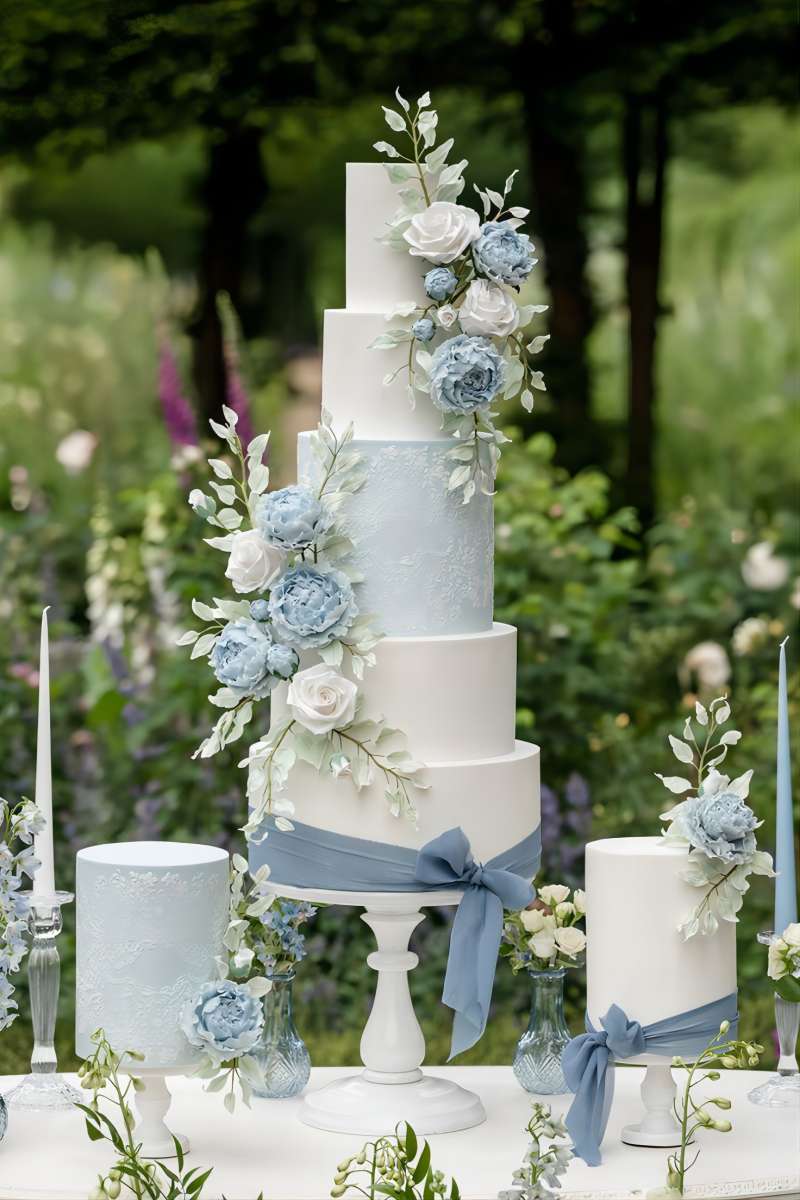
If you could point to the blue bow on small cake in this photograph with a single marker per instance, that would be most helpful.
(588, 1061)
(320, 859)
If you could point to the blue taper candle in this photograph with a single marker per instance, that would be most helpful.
(786, 881)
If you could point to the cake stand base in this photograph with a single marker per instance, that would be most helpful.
(392, 1089)
(658, 1127)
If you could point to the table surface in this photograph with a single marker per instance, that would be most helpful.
(44, 1157)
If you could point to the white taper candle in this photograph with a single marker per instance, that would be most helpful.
(44, 879)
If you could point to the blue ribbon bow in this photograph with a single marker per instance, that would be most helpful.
(475, 939)
(588, 1061)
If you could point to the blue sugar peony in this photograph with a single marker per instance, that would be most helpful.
(721, 825)
(502, 254)
(259, 610)
(292, 518)
(310, 607)
(440, 282)
(224, 1020)
(282, 661)
(466, 373)
(240, 658)
(423, 329)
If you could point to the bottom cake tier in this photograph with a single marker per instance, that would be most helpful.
(495, 801)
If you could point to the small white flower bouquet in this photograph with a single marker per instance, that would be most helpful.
(546, 936)
(715, 825)
(783, 964)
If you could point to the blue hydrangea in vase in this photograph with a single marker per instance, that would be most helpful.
(544, 941)
(264, 931)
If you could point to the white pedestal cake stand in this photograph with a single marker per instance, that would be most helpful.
(391, 1088)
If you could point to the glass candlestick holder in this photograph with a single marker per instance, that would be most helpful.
(781, 1090)
(44, 1088)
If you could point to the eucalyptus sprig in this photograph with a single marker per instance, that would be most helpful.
(397, 1167)
(693, 1114)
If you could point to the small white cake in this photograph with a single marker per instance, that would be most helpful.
(635, 957)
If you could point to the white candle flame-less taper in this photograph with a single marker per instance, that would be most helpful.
(44, 879)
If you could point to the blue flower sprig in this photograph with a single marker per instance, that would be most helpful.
(18, 825)
(716, 824)
(471, 269)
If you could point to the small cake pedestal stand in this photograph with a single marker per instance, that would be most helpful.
(153, 1102)
(392, 1088)
(658, 1126)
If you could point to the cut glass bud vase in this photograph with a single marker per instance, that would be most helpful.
(281, 1054)
(782, 1090)
(44, 1088)
(537, 1061)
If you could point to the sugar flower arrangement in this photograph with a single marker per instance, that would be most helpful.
(548, 1155)
(289, 562)
(783, 963)
(545, 936)
(716, 825)
(17, 860)
(473, 266)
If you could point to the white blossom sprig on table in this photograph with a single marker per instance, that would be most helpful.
(397, 1166)
(783, 963)
(18, 825)
(288, 550)
(548, 1155)
(473, 265)
(545, 936)
(715, 825)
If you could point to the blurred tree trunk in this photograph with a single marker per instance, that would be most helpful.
(234, 189)
(645, 152)
(555, 124)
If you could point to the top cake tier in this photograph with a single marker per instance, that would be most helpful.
(378, 277)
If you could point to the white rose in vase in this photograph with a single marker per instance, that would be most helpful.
(565, 911)
(543, 944)
(553, 893)
(579, 900)
(570, 941)
(320, 699)
(253, 564)
(488, 310)
(536, 921)
(441, 232)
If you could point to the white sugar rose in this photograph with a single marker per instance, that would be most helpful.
(535, 921)
(443, 231)
(447, 316)
(488, 310)
(253, 563)
(579, 900)
(543, 945)
(570, 941)
(553, 893)
(321, 699)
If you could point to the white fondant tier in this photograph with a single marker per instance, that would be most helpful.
(378, 277)
(635, 957)
(494, 800)
(426, 559)
(353, 387)
(452, 696)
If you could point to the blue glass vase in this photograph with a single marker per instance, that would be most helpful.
(282, 1054)
(537, 1061)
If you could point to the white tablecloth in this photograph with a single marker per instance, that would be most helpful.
(266, 1148)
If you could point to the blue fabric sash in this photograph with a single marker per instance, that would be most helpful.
(588, 1061)
(317, 858)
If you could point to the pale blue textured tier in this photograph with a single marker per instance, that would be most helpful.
(427, 559)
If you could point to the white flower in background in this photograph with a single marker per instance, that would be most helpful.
(321, 699)
(543, 944)
(710, 663)
(579, 900)
(762, 569)
(536, 921)
(784, 954)
(488, 310)
(446, 316)
(570, 940)
(253, 563)
(75, 451)
(748, 635)
(553, 893)
(442, 232)
(794, 599)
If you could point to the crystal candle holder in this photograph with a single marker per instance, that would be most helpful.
(781, 1090)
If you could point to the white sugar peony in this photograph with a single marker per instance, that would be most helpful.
(570, 941)
(763, 570)
(321, 699)
(442, 232)
(488, 310)
(553, 893)
(253, 564)
(536, 921)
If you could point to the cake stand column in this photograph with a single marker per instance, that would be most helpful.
(392, 1088)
